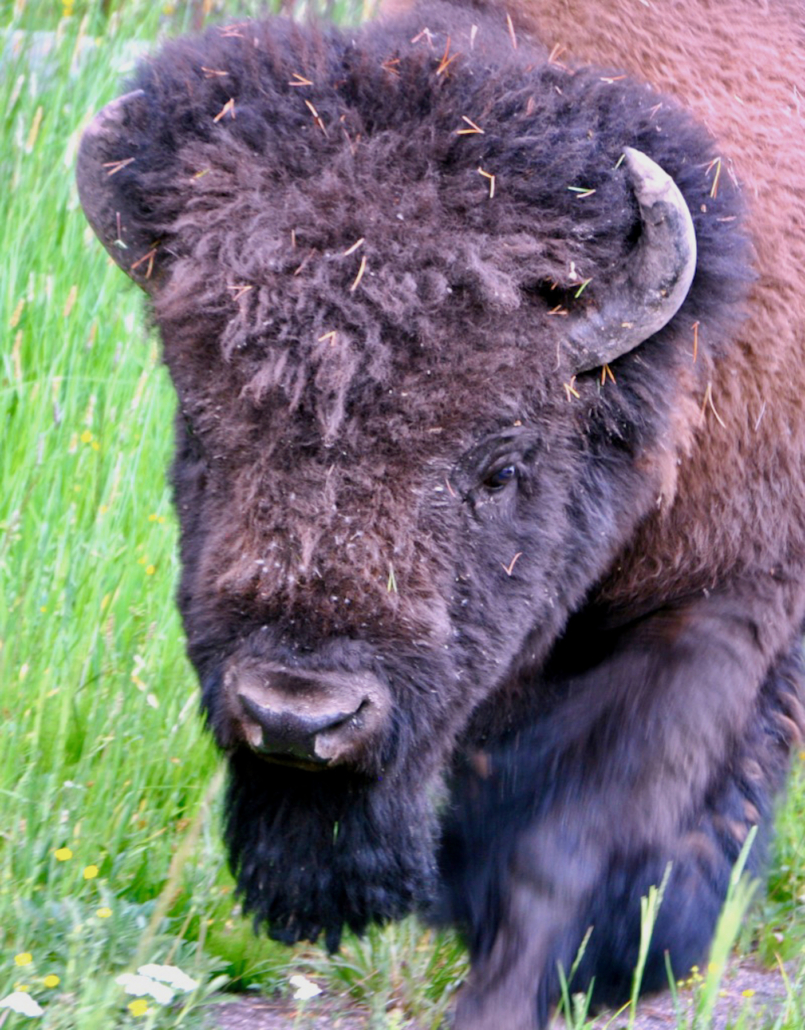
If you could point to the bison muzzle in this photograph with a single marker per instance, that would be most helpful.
(310, 719)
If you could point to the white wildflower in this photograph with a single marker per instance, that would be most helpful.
(171, 975)
(305, 988)
(144, 985)
(22, 1003)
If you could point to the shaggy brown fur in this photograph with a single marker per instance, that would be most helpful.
(739, 67)
(579, 598)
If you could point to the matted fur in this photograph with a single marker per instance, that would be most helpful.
(592, 660)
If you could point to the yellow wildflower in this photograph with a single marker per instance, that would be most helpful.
(51, 980)
(63, 854)
(103, 913)
(90, 872)
(138, 1007)
(25, 958)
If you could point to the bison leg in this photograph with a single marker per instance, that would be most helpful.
(665, 741)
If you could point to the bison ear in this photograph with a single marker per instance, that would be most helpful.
(656, 280)
(108, 147)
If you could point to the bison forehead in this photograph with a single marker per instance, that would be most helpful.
(367, 207)
(332, 544)
(413, 431)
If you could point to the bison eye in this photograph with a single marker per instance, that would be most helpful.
(500, 477)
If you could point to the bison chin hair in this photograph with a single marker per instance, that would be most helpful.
(315, 851)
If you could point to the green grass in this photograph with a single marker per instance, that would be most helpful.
(101, 750)
(109, 844)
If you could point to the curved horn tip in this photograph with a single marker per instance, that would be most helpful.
(670, 246)
(649, 180)
(658, 277)
(110, 117)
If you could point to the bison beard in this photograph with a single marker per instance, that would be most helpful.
(315, 852)
(491, 502)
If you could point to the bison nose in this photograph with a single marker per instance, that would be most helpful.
(284, 733)
(314, 719)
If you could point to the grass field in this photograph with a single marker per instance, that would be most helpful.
(109, 843)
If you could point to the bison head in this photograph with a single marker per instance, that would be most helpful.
(420, 317)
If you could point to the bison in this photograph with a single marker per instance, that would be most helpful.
(489, 460)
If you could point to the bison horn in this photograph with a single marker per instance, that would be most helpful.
(106, 149)
(656, 280)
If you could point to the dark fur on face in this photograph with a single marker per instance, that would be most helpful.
(575, 596)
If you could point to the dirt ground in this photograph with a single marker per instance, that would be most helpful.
(746, 986)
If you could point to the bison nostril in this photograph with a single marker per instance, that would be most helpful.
(286, 733)
(309, 718)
